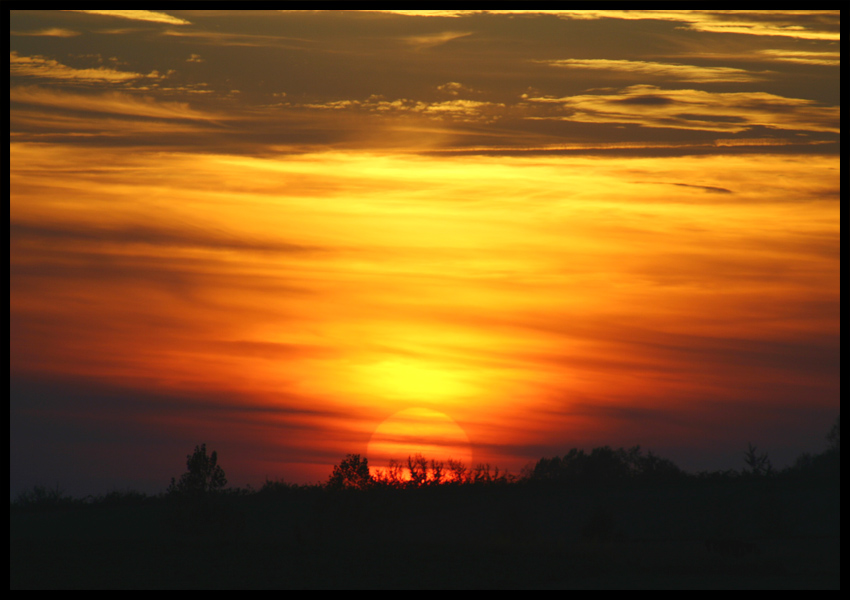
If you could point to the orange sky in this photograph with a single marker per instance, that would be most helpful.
(270, 233)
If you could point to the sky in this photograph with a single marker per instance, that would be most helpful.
(295, 235)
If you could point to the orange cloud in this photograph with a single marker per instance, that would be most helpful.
(46, 68)
(768, 55)
(112, 102)
(675, 72)
(49, 32)
(651, 106)
(459, 109)
(806, 57)
(139, 15)
(801, 24)
(430, 40)
(453, 88)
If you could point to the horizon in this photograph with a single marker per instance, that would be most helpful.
(297, 235)
(398, 473)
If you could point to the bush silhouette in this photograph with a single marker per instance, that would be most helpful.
(203, 477)
(43, 497)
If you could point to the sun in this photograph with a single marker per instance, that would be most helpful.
(433, 434)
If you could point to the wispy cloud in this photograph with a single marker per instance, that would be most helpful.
(453, 88)
(110, 102)
(50, 32)
(46, 68)
(246, 40)
(804, 24)
(651, 106)
(668, 71)
(139, 15)
(822, 57)
(801, 24)
(459, 109)
(430, 40)
(806, 57)
(164, 236)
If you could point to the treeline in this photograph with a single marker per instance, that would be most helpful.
(602, 466)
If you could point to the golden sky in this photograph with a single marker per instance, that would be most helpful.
(275, 231)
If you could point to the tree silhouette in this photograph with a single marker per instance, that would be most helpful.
(204, 475)
(392, 476)
(437, 471)
(833, 438)
(418, 467)
(759, 463)
(458, 471)
(351, 473)
(604, 465)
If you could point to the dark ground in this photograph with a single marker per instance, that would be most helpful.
(772, 534)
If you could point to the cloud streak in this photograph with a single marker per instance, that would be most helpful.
(168, 236)
(139, 15)
(50, 32)
(652, 106)
(113, 102)
(801, 24)
(668, 71)
(45, 68)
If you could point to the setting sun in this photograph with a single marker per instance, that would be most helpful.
(412, 431)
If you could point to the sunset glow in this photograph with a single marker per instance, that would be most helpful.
(284, 233)
(418, 431)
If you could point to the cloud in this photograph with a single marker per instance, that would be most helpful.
(800, 24)
(828, 58)
(250, 40)
(430, 40)
(47, 68)
(707, 188)
(459, 109)
(466, 110)
(807, 25)
(434, 13)
(651, 106)
(51, 32)
(162, 236)
(453, 88)
(108, 102)
(138, 15)
(676, 72)
(643, 148)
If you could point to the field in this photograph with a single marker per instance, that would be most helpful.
(761, 534)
